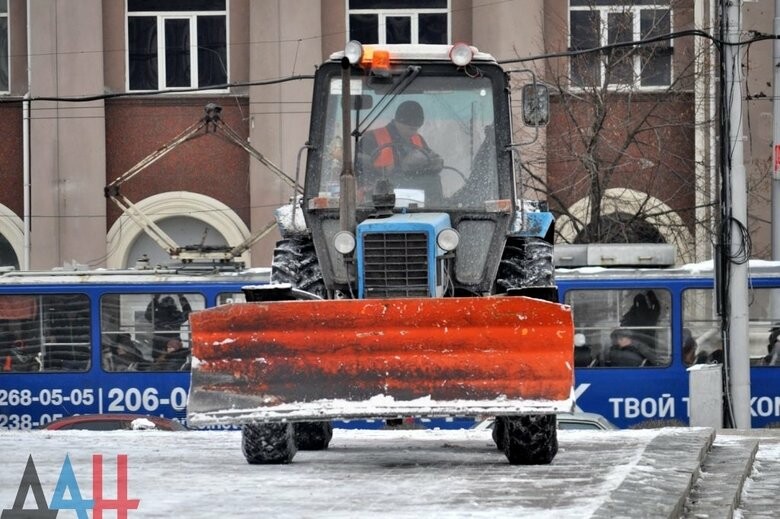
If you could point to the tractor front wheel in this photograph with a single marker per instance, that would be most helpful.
(530, 439)
(268, 443)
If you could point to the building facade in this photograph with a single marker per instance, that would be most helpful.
(80, 105)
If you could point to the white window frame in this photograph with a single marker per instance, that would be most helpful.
(604, 11)
(382, 15)
(192, 16)
(8, 46)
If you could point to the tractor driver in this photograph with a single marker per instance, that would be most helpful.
(398, 153)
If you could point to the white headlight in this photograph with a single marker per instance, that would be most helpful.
(448, 239)
(461, 54)
(353, 51)
(344, 242)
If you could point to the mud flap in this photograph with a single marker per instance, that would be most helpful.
(319, 360)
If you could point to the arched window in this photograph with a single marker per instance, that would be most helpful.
(216, 225)
(7, 254)
(184, 231)
(620, 228)
(659, 223)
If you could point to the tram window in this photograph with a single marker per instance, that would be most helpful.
(700, 317)
(621, 328)
(230, 297)
(44, 332)
(147, 332)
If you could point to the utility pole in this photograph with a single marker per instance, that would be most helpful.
(774, 302)
(776, 150)
(735, 224)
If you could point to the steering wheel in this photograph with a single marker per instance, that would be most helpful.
(404, 148)
(429, 156)
(457, 172)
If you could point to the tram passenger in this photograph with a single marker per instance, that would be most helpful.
(123, 355)
(628, 351)
(21, 358)
(175, 358)
(772, 357)
(643, 315)
(166, 319)
(18, 354)
(711, 351)
(583, 354)
(689, 347)
(715, 356)
(6, 353)
(644, 311)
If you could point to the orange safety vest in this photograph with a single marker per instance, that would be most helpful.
(383, 138)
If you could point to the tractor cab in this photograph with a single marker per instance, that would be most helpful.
(429, 134)
(459, 112)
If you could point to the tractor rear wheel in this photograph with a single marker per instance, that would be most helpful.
(525, 262)
(499, 430)
(295, 262)
(312, 436)
(268, 443)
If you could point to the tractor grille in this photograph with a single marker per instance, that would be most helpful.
(396, 265)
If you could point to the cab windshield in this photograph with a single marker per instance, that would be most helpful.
(432, 144)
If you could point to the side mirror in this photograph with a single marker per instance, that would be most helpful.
(536, 105)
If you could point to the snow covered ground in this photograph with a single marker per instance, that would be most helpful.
(399, 473)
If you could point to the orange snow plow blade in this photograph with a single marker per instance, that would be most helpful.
(304, 360)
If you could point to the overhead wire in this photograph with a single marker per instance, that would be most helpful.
(227, 89)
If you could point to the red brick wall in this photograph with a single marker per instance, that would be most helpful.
(661, 163)
(11, 157)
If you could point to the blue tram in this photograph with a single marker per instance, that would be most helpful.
(671, 315)
(77, 342)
